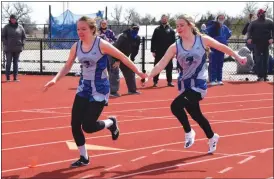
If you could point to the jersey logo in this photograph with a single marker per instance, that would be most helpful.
(189, 60)
(87, 62)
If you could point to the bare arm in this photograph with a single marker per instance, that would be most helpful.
(66, 68)
(210, 42)
(107, 48)
(170, 53)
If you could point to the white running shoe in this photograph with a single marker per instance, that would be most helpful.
(220, 83)
(189, 138)
(213, 83)
(213, 143)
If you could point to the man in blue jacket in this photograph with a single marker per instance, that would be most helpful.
(221, 33)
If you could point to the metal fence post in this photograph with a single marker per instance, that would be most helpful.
(41, 56)
(143, 55)
(146, 36)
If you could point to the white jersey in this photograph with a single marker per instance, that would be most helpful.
(94, 81)
(194, 69)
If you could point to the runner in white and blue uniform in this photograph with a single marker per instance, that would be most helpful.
(93, 89)
(191, 56)
(194, 69)
(94, 82)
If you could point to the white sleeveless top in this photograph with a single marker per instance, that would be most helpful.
(193, 63)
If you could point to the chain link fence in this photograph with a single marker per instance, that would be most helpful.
(44, 56)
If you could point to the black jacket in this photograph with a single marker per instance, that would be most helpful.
(260, 31)
(245, 28)
(162, 38)
(127, 45)
(13, 37)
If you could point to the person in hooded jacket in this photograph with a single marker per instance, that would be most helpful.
(220, 32)
(128, 43)
(13, 37)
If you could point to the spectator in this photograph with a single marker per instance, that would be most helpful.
(108, 35)
(13, 37)
(260, 33)
(105, 33)
(251, 18)
(247, 68)
(203, 28)
(221, 33)
(163, 36)
(128, 43)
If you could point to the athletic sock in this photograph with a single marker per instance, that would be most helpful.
(108, 123)
(83, 151)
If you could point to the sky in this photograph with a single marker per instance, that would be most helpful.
(41, 9)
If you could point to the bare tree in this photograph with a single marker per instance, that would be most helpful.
(195, 16)
(154, 22)
(250, 8)
(146, 20)
(132, 16)
(117, 14)
(20, 10)
(269, 11)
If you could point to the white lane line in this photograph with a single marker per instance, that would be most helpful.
(158, 108)
(192, 151)
(116, 166)
(44, 129)
(133, 102)
(159, 151)
(144, 109)
(87, 176)
(265, 150)
(139, 158)
(129, 133)
(31, 119)
(246, 160)
(248, 122)
(145, 148)
(225, 170)
(182, 164)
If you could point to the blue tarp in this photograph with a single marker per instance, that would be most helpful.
(64, 27)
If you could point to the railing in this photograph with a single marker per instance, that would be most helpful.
(44, 56)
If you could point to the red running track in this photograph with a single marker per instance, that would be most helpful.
(36, 130)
